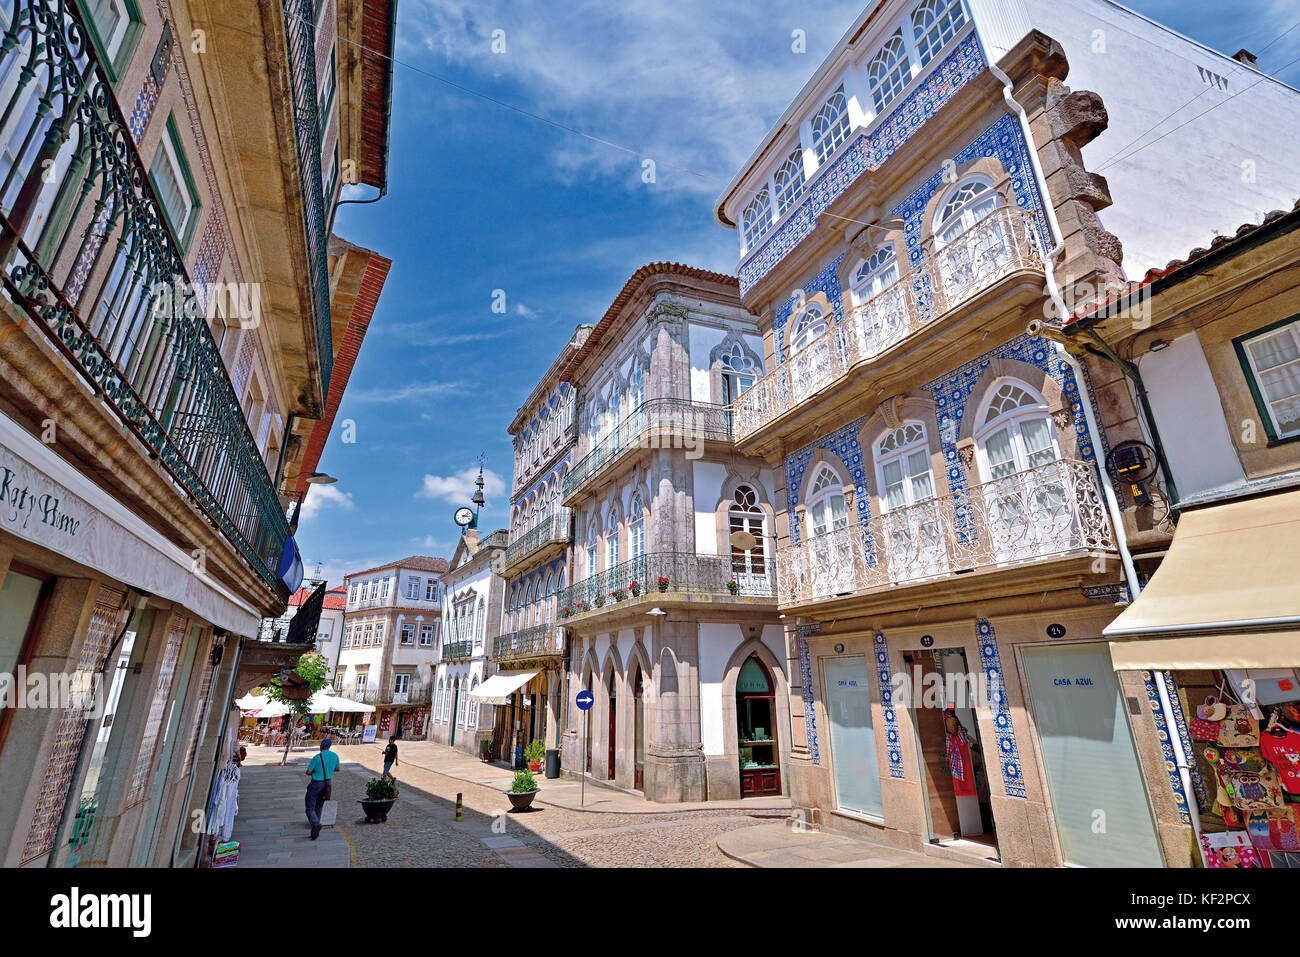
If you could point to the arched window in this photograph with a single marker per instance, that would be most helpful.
(827, 507)
(903, 467)
(934, 23)
(637, 389)
(789, 180)
(471, 706)
(437, 704)
(738, 373)
(830, 125)
(611, 539)
(592, 540)
(636, 528)
(756, 220)
(889, 71)
(965, 205)
(748, 565)
(1015, 431)
(810, 325)
(460, 705)
(877, 272)
(480, 623)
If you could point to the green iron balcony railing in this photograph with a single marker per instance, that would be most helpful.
(552, 528)
(457, 650)
(300, 30)
(539, 641)
(712, 577)
(87, 250)
(655, 424)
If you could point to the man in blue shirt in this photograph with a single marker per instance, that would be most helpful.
(320, 773)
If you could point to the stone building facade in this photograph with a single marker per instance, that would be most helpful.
(167, 333)
(666, 610)
(949, 530)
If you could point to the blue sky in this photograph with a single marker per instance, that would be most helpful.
(483, 198)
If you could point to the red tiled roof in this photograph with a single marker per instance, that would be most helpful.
(334, 598)
(630, 289)
(1175, 266)
(421, 563)
(372, 283)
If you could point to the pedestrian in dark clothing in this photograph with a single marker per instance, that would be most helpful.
(390, 756)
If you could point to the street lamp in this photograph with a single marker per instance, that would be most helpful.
(311, 478)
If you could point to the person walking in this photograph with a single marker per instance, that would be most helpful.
(320, 775)
(390, 757)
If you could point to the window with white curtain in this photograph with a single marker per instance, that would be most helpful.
(827, 507)
(810, 324)
(1273, 361)
(903, 467)
(876, 273)
(1015, 432)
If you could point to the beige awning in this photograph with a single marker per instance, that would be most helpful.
(1257, 649)
(1227, 594)
(499, 688)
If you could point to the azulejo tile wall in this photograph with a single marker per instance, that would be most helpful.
(1167, 747)
(887, 701)
(809, 712)
(952, 395)
(1013, 781)
(867, 153)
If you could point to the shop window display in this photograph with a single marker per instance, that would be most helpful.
(760, 771)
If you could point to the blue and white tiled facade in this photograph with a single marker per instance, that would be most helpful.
(865, 154)
(809, 711)
(1166, 746)
(892, 743)
(1013, 779)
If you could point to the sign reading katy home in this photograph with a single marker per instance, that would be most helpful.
(22, 503)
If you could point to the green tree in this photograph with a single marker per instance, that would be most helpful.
(314, 670)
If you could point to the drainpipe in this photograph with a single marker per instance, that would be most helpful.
(1094, 433)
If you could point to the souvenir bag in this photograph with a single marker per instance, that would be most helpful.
(1205, 726)
(1253, 790)
(1281, 748)
(1239, 729)
(1277, 830)
(1230, 849)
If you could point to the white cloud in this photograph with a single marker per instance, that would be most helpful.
(318, 496)
(692, 86)
(416, 390)
(458, 488)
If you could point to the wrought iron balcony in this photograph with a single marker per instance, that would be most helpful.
(1004, 242)
(91, 256)
(457, 650)
(300, 30)
(384, 693)
(554, 529)
(655, 424)
(1046, 512)
(676, 574)
(539, 641)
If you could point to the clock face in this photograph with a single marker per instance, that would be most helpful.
(464, 516)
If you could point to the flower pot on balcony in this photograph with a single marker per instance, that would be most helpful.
(600, 601)
(534, 766)
(663, 584)
(635, 589)
(733, 587)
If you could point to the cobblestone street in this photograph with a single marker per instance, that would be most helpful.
(422, 830)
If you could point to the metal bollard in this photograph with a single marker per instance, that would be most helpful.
(460, 808)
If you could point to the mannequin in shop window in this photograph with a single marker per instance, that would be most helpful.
(962, 755)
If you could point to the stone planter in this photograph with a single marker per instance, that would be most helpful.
(521, 800)
(377, 811)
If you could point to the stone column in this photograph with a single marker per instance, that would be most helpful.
(674, 763)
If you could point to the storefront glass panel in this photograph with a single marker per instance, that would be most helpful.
(853, 742)
(1098, 797)
(19, 598)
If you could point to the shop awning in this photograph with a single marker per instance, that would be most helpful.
(1257, 649)
(499, 688)
(1227, 594)
(322, 702)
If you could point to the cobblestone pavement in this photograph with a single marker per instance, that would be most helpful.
(422, 830)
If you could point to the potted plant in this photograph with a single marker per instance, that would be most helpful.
(600, 600)
(381, 795)
(634, 588)
(522, 790)
(485, 750)
(733, 586)
(566, 612)
(663, 582)
(617, 594)
(534, 753)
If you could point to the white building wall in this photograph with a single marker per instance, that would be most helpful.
(717, 641)
(1230, 165)
(708, 477)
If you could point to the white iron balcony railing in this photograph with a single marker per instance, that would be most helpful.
(1045, 512)
(1005, 241)
(653, 575)
(539, 641)
(553, 528)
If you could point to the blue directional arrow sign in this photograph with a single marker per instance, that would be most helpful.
(585, 700)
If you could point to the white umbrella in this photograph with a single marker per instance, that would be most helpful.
(263, 708)
(322, 702)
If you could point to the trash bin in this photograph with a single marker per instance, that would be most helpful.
(552, 762)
